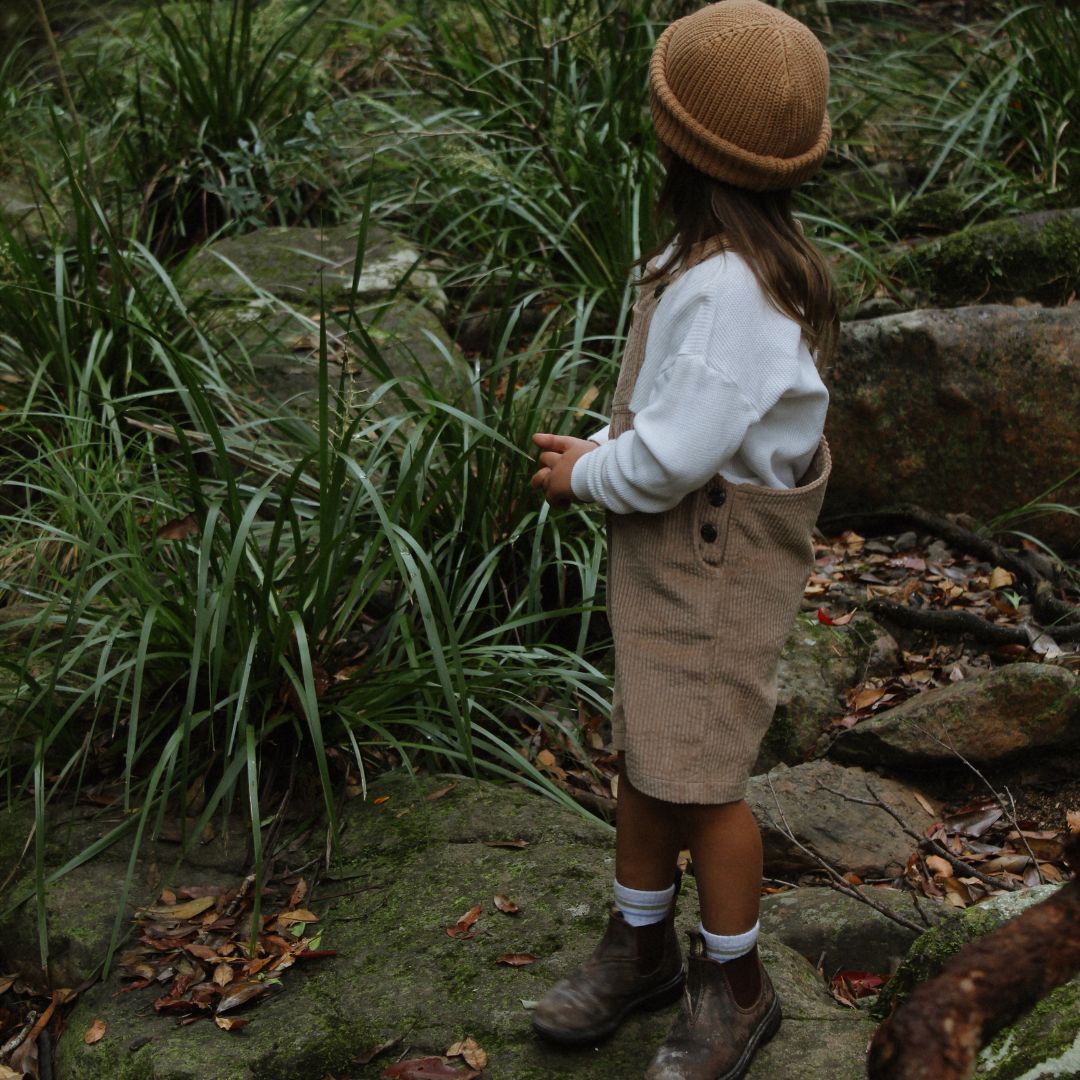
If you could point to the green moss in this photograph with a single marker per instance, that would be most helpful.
(1046, 1036)
(1036, 256)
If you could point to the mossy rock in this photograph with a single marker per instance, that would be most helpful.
(1033, 256)
(309, 266)
(1044, 1044)
(817, 665)
(409, 867)
(938, 210)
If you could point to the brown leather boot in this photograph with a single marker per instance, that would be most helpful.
(714, 1038)
(633, 967)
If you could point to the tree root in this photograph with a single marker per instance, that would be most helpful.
(953, 623)
(938, 1032)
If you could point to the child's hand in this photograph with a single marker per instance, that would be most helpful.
(559, 452)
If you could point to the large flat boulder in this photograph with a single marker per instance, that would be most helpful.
(408, 868)
(993, 716)
(968, 410)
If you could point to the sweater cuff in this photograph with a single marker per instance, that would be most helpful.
(581, 472)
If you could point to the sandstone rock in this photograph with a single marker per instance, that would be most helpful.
(824, 925)
(299, 265)
(986, 718)
(817, 665)
(972, 410)
(862, 839)
(1034, 256)
(1044, 1043)
(407, 869)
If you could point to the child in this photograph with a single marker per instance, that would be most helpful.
(712, 471)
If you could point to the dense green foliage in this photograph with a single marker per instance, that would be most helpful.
(197, 583)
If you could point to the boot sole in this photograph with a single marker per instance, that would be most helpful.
(656, 999)
(770, 1024)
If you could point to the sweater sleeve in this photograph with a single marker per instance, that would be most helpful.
(695, 421)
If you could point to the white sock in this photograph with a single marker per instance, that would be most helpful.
(724, 947)
(640, 907)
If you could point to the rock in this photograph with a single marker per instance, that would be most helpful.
(864, 840)
(81, 907)
(1033, 256)
(972, 411)
(841, 932)
(407, 869)
(1044, 1043)
(988, 717)
(283, 351)
(817, 665)
(938, 210)
(299, 265)
(32, 217)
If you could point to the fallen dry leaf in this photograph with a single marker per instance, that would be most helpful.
(223, 974)
(182, 912)
(545, 758)
(9, 1074)
(1000, 578)
(230, 1023)
(94, 1033)
(505, 905)
(300, 915)
(507, 843)
(1072, 820)
(7, 982)
(296, 897)
(941, 868)
(433, 795)
(463, 927)
(517, 959)
(240, 993)
(471, 1051)
(179, 528)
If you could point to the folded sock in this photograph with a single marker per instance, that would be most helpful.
(724, 947)
(640, 907)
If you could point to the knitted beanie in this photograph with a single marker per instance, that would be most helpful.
(739, 89)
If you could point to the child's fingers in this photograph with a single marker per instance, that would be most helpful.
(540, 478)
(546, 441)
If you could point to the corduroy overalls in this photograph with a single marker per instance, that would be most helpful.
(701, 599)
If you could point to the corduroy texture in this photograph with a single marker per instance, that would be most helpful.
(701, 599)
(739, 90)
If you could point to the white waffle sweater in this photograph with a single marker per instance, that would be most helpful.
(727, 386)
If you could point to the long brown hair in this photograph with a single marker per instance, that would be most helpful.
(760, 228)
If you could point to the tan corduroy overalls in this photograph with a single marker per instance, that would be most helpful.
(701, 599)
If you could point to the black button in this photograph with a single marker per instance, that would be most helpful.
(708, 532)
(717, 496)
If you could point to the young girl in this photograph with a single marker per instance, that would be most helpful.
(712, 471)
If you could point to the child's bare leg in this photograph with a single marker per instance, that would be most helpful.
(648, 836)
(725, 844)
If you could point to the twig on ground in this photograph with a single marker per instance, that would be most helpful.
(835, 879)
(937, 849)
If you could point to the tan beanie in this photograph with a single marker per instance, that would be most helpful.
(739, 90)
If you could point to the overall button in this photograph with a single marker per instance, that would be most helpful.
(717, 496)
(708, 532)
